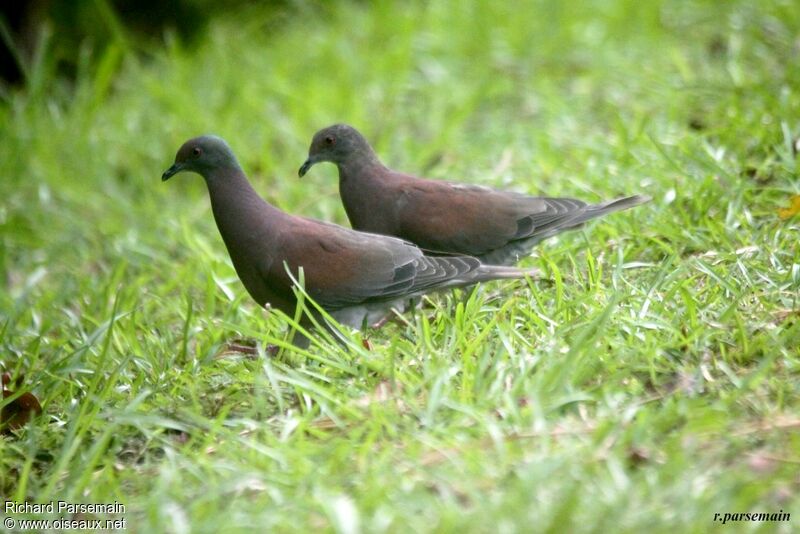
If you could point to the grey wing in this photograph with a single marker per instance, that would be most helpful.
(344, 268)
(539, 215)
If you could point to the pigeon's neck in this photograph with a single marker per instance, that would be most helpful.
(360, 167)
(363, 185)
(241, 214)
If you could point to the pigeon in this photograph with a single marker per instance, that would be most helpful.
(497, 227)
(354, 276)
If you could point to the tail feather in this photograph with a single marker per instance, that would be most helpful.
(514, 250)
(485, 273)
(502, 271)
(598, 210)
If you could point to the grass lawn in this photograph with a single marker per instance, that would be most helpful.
(652, 382)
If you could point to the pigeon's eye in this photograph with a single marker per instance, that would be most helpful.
(196, 151)
(329, 140)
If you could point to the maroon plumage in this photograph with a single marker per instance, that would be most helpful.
(354, 276)
(495, 226)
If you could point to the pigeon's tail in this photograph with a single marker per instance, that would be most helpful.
(575, 218)
(598, 210)
(485, 273)
(442, 272)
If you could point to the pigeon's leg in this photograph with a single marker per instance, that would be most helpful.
(237, 347)
(247, 346)
(381, 322)
(395, 315)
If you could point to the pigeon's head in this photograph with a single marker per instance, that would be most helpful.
(202, 155)
(336, 144)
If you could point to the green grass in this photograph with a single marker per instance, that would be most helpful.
(653, 383)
